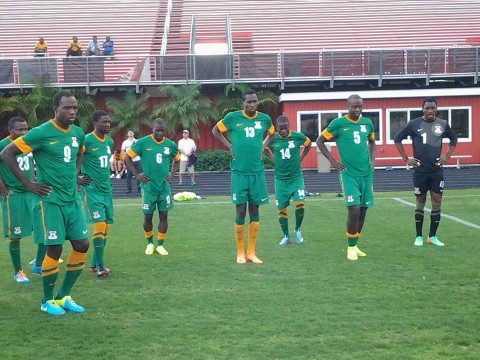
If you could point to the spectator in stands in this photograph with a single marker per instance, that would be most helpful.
(41, 47)
(117, 164)
(74, 47)
(93, 47)
(108, 47)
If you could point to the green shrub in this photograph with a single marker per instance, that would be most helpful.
(213, 160)
(219, 160)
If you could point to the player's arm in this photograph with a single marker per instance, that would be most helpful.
(307, 145)
(81, 180)
(450, 134)
(268, 152)
(8, 155)
(3, 189)
(129, 163)
(402, 135)
(175, 166)
(217, 134)
(323, 149)
(371, 150)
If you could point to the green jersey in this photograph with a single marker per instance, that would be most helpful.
(96, 161)
(351, 138)
(156, 160)
(25, 163)
(286, 154)
(55, 153)
(246, 136)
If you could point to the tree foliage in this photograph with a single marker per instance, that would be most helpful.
(185, 108)
(129, 113)
(231, 99)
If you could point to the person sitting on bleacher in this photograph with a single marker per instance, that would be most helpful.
(74, 47)
(41, 47)
(108, 47)
(93, 47)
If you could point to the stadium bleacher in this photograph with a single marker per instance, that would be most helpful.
(342, 24)
(131, 25)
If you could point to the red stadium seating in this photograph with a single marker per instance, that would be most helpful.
(131, 25)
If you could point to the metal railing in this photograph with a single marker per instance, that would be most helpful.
(280, 67)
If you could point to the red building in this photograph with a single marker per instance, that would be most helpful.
(389, 110)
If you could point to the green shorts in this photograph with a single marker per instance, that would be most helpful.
(17, 211)
(357, 190)
(98, 206)
(287, 189)
(38, 228)
(151, 202)
(64, 222)
(249, 188)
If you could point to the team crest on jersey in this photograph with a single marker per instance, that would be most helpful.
(291, 145)
(74, 141)
(96, 214)
(438, 129)
(52, 235)
(108, 150)
(17, 230)
(363, 128)
(166, 151)
(258, 125)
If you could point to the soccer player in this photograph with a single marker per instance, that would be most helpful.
(97, 195)
(427, 133)
(156, 153)
(18, 204)
(57, 146)
(246, 128)
(355, 138)
(287, 157)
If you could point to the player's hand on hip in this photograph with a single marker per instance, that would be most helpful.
(337, 165)
(413, 162)
(82, 180)
(142, 178)
(441, 160)
(39, 189)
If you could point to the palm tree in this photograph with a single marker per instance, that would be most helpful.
(86, 107)
(185, 108)
(231, 99)
(8, 105)
(129, 113)
(37, 104)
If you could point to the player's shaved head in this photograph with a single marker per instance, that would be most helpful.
(97, 115)
(14, 120)
(353, 98)
(282, 119)
(158, 121)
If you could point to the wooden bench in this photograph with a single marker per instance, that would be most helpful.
(458, 157)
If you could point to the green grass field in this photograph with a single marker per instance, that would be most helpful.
(304, 302)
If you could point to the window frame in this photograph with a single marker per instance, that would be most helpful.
(340, 113)
(448, 109)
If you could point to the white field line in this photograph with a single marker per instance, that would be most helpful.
(454, 218)
(309, 199)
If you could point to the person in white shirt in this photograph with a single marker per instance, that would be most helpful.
(136, 160)
(186, 147)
